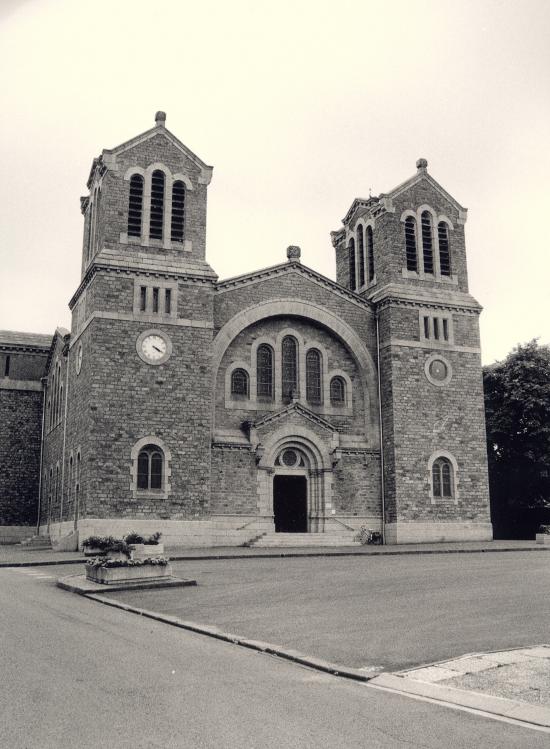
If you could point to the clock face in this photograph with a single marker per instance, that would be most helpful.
(154, 347)
(438, 370)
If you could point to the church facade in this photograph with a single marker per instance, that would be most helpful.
(264, 407)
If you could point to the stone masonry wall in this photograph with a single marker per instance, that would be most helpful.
(21, 420)
(234, 482)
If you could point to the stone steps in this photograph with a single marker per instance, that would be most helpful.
(344, 538)
(39, 543)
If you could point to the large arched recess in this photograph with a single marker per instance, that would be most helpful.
(333, 323)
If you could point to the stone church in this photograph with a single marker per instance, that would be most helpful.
(274, 407)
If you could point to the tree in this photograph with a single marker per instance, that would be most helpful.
(517, 411)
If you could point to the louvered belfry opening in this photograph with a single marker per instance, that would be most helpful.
(157, 205)
(178, 211)
(444, 249)
(370, 250)
(135, 206)
(410, 244)
(352, 275)
(427, 246)
(361, 248)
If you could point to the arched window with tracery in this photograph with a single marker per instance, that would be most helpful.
(361, 249)
(410, 244)
(290, 366)
(352, 276)
(370, 251)
(264, 371)
(444, 248)
(239, 383)
(156, 222)
(313, 376)
(337, 391)
(135, 205)
(427, 242)
(178, 211)
(442, 478)
(150, 467)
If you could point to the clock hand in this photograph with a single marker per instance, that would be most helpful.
(157, 349)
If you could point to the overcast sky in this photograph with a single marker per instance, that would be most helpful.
(300, 107)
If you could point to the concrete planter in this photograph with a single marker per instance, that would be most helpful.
(543, 538)
(106, 575)
(92, 551)
(146, 551)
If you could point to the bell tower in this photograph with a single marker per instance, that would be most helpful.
(404, 251)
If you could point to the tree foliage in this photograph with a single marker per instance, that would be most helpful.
(517, 410)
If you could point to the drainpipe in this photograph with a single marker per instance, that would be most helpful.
(66, 349)
(381, 430)
(44, 382)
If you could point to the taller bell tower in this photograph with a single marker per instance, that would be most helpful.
(405, 252)
(139, 391)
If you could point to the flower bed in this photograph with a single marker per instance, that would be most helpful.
(101, 570)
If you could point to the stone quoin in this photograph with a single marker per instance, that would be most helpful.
(275, 402)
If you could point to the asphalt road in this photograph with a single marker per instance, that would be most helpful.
(393, 612)
(78, 674)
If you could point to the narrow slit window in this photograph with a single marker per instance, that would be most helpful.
(427, 245)
(135, 206)
(370, 250)
(410, 244)
(361, 249)
(155, 299)
(313, 376)
(168, 301)
(143, 298)
(444, 249)
(157, 205)
(426, 327)
(445, 329)
(352, 276)
(290, 367)
(178, 211)
(7, 366)
(436, 328)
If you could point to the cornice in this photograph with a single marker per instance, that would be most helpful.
(399, 295)
(293, 267)
(141, 271)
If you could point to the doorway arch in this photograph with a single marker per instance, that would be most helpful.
(295, 481)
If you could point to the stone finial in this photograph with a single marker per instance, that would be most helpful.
(293, 253)
(422, 165)
(160, 119)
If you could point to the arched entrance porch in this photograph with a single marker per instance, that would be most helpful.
(295, 481)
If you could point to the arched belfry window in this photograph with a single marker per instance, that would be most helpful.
(313, 376)
(178, 211)
(442, 478)
(410, 244)
(135, 206)
(157, 205)
(361, 249)
(427, 242)
(150, 467)
(239, 383)
(337, 391)
(290, 366)
(264, 371)
(352, 276)
(444, 249)
(370, 250)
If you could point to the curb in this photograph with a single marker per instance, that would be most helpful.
(492, 705)
(293, 555)
(262, 647)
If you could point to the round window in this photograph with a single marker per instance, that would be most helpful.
(438, 370)
(289, 458)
